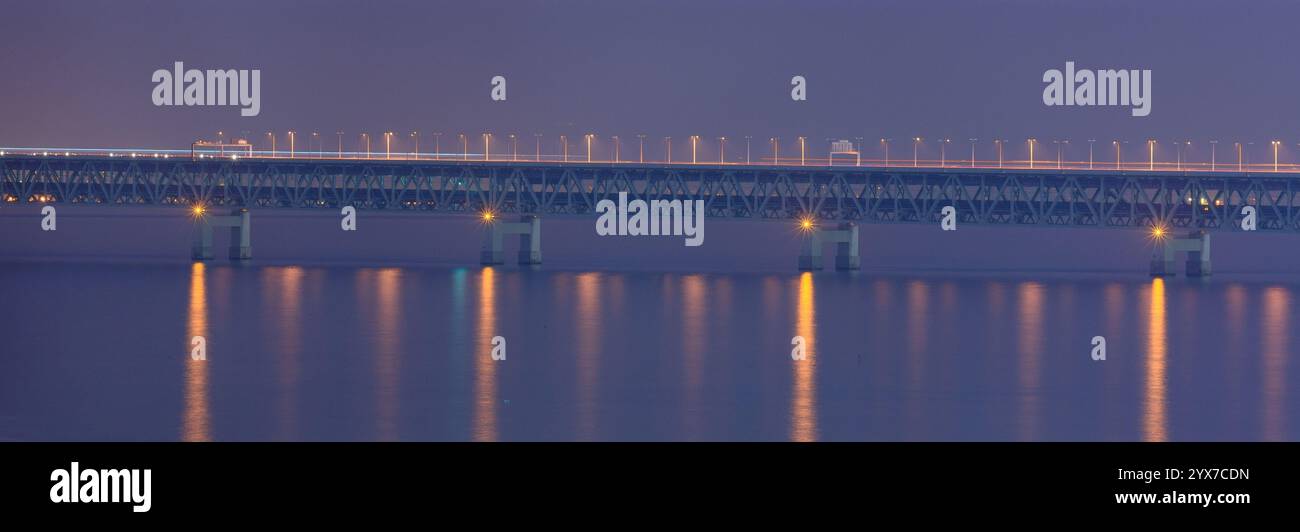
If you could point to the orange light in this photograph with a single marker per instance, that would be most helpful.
(198, 210)
(806, 223)
(488, 216)
(1158, 232)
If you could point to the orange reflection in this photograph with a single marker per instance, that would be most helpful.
(288, 310)
(485, 371)
(388, 352)
(195, 424)
(693, 311)
(1153, 421)
(589, 336)
(1277, 303)
(1031, 348)
(803, 410)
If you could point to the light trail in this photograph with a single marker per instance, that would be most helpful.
(953, 165)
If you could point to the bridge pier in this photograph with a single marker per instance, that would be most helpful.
(529, 229)
(241, 235)
(845, 239)
(1197, 246)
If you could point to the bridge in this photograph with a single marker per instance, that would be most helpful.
(828, 202)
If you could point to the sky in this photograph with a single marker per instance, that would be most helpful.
(77, 74)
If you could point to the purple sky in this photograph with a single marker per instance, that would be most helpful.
(77, 73)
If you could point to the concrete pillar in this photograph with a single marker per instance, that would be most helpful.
(845, 238)
(202, 246)
(529, 229)
(1162, 259)
(810, 256)
(846, 250)
(1197, 246)
(1198, 260)
(241, 236)
(530, 243)
(491, 252)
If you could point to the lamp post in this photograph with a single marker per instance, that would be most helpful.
(464, 146)
(722, 153)
(315, 138)
(776, 152)
(1276, 144)
(803, 151)
(916, 144)
(487, 146)
(858, 149)
(564, 146)
(1214, 144)
(616, 148)
(416, 135)
(292, 136)
(1151, 154)
(972, 152)
(943, 152)
(1090, 143)
(999, 143)
(1031, 141)
(272, 137)
(747, 139)
(1117, 159)
(388, 144)
(437, 145)
(695, 140)
(365, 137)
(1179, 144)
(538, 155)
(641, 149)
(668, 147)
(340, 135)
(886, 143)
(589, 136)
(514, 147)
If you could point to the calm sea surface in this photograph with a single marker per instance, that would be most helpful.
(101, 351)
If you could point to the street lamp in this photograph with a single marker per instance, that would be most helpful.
(1090, 142)
(1151, 154)
(776, 151)
(564, 141)
(747, 139)
(916, 143)
(616, 148)
(695, 140)
(388, 144)
(464, 147)
(416, 135)
(1213, 145)
(943, 152)
(315, 138)
(366, 137)
(487, 146)
(668, 146)
(1275, 143)
(803, 150)
(514, 147)
(972, 152)
(858, 149)
(272, 137)
(641, 150)
(1179, 144)
(1031, 142)
(538, 155)
(886, 143)
(1060, 146)
(340, 135)
(722, 154)
(292, 136)
(999, 142)
(437, 145)
(589, 136)
(1118, 164)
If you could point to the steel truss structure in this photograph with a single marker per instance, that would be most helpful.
(1068, 198)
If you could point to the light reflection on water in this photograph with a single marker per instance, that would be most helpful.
(336, 353)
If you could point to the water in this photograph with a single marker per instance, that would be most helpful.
(100, 351)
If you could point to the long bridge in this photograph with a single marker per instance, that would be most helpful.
(829, 202)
